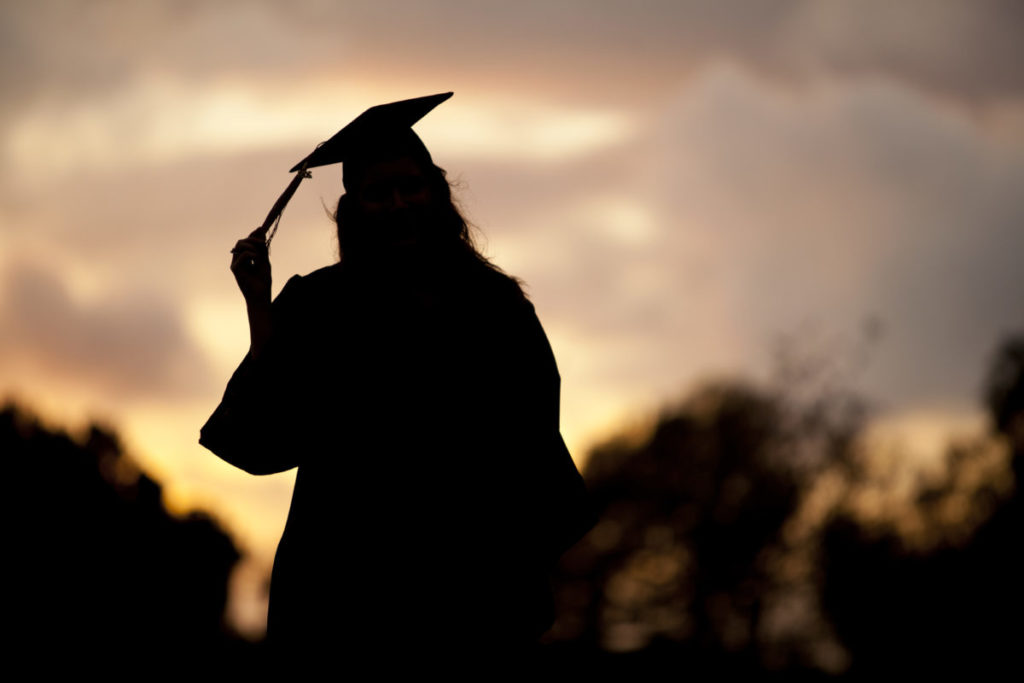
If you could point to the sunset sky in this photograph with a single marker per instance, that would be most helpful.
(682, 185)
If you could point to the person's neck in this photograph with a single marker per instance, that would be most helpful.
(416, 265)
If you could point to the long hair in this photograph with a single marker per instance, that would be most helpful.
(454, 232)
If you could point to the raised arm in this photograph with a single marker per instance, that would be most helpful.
(252, 428)
(250, 264)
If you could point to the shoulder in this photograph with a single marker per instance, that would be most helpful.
(318, 281)
(306, 294)
(503, 308)
(321, 278)
(328, 275)
(495, 289)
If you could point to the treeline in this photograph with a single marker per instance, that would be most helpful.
(100, 574)
(752, 532)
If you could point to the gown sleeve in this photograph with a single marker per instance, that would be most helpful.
(548, 488)
(254, 425)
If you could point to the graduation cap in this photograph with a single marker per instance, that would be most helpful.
(379, 133)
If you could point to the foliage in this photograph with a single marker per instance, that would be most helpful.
(102, 572)
(729, 541)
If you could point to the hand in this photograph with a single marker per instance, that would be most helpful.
(250, 264)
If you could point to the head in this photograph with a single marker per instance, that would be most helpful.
(400, 207)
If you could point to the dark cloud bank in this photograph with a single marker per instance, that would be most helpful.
(129, 345)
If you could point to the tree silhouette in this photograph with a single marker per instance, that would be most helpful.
(731, 542)
(101, 572)
(947, 599)
(685, 561)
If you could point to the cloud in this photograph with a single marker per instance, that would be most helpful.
(125, 345)
(747, 213)
(165, 122)
(605, 50)
(841, 203)
(966, 50)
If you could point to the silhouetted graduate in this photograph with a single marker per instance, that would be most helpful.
(413, 386)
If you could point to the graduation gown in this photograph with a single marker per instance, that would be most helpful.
(434, 490)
